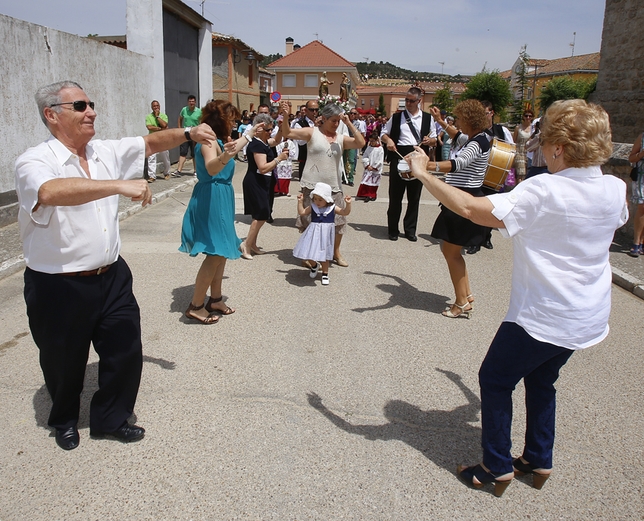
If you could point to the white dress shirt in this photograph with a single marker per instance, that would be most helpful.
(562, 226)
(406, 136)
(61, 239)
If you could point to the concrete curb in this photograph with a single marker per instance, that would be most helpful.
(628, 282)
(16, 264)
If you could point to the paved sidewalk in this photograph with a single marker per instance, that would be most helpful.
(628, 272)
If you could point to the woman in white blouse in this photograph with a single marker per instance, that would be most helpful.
(562, 226)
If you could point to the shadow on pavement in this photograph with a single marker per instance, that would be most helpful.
(42, 400)
(406, 296)
(444, 437)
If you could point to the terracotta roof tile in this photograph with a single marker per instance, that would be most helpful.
(313, 54)
(584, 62)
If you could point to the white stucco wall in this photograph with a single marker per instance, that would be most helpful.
(118, 81)
(144, 21)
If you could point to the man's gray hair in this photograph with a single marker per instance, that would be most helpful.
(50, 95)
(330, 110)
(263, 118)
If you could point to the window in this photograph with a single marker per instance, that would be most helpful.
(401, 104)
(288, 80)
(310, 80)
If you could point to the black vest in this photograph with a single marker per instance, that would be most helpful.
(397, 120)
(301, 149)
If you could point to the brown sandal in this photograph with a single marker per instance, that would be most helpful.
(210, 309)
(212, 318)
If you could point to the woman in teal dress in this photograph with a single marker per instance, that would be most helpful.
(209, 221)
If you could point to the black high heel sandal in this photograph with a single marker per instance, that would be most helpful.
(521, 468)
(483, 477)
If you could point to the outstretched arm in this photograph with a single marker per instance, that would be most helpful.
(476, 209)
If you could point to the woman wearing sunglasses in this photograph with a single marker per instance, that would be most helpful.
(258, 181)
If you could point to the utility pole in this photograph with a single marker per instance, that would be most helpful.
(441, 64)
(574, 37)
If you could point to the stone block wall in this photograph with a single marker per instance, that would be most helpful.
(620, 84)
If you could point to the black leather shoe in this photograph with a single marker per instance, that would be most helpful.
(67, 439)
(411, 238)
(124, 433)
(471, 250)
(393, 237)
(488, 245)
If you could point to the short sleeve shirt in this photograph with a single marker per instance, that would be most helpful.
(190, 119)
(562, 226)
(150, 120)
(59, 239)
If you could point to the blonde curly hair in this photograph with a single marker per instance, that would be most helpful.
(582, 129)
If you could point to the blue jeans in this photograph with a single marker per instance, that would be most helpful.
(513, 355)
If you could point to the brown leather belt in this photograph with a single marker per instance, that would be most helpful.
(88, 273)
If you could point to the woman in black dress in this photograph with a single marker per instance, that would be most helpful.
(466, 172)
(257, 183)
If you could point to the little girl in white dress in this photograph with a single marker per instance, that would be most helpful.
(317, 240)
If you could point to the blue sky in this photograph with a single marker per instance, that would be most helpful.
(464, 34)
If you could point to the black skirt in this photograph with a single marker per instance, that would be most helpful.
(451, 227)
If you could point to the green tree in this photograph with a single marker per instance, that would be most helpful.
(489, 86)
(381, 111)
(565, 87)
(444, 98)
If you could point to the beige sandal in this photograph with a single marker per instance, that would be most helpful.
(465, 313)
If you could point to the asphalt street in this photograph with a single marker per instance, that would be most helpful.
(351, 401)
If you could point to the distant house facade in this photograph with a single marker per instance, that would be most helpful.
(235, 72)
(394, 95)
(298, 73)
(540, 72)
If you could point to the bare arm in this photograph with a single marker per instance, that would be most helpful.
(301, 134)
(300, 206)
(637, 153)
(159, 141)
(450, 129)
(264, 166)
(476, 209)
(347, 209)
(216, 159)
(357, 141)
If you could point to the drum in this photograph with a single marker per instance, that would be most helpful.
(499, 163)
(404, 171)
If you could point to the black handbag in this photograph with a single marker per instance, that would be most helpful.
(634, 173)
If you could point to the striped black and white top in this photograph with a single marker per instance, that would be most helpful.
(470, 161)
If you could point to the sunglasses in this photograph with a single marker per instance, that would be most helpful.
(407, 100)
(313, 110)
(528, 116)
(268, 129)
(78, 106)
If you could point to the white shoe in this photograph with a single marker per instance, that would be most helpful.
(313, 272)
(325, 280)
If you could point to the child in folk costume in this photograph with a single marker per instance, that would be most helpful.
(317, 240)
(284, 169)
(372, 159)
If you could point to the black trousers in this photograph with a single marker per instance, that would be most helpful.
(397, 188)
(68, 313)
